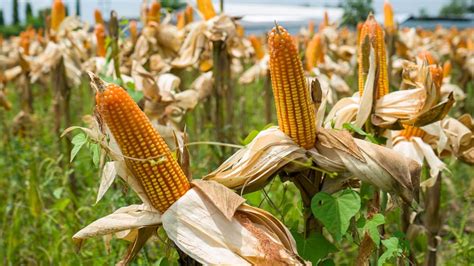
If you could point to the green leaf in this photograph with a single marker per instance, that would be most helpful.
(62, 204)
(327, 262)
(336, 211)
(250, 137)
(254, 198)
(314, 248)
(354, 128)
(95, 150)
(371, 227)
(78, 141)
(136, 95)
(392, 250)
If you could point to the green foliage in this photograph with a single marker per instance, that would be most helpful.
(356, 11)
(172, 5)
(314, 248)
(335, 211)
(16, 17)
(455, 8)
(28, 12)
(78, 8)
(393, 250)
(371, 225)
(2, 19)
(368, 136)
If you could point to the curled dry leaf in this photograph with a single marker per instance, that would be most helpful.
(252, 167)
(272, 151)
(200, 228)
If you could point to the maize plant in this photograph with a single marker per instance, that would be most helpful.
(208, 222)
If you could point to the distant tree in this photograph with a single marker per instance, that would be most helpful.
(2, 19)
(356, 11)
(16, 17)
(422, 13)
(78, 8)
(29, 13)
(456, 8)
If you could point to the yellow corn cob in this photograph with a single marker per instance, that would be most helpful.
(154, 12)
(436, 73)
(388, 16)
(58, 13)
(99, 32)
(189, 14)
(257, 47)
(98, 17)
(426, 55)
(371, 34)
(314, 54)
(411, 131)
(240, 30)
(180, 20)
(206, 8)
(311, 27)
(447, 66)
(359, 31)
(25, 42)
(325, 22)
(146, 153)
(133, 31)
(295, 111)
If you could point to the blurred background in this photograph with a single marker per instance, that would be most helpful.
(258, 15)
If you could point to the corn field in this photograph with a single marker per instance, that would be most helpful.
(179, 139)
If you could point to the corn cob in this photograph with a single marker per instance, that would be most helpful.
(411, 131)
(314, 52)
(133, 31)
(25, 42)
(206, 8)
(154, 12)
(189, 14)
(257, 47)
(325, 22)
(58, 13)
(296, 114)
(180, 20)
(359, 30)
(98, 17)
(388, 16)
(426, 55)
(311, 27)
(99, 32)
(447, 66)
(436, 73)
(371, 34)
(240, 30)
(146, 153)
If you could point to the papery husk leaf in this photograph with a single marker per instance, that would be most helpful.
(371, 163)
(398, 105)
(367, 99)
(203, 232)
(224, 199)
(109, 173)
(203, 85)
(434, 114)
(125, 218)
(192, 46)
(250, 168)
(140, 240)
(344, 111)
(460, 136)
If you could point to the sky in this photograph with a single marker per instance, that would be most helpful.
(130, 8)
